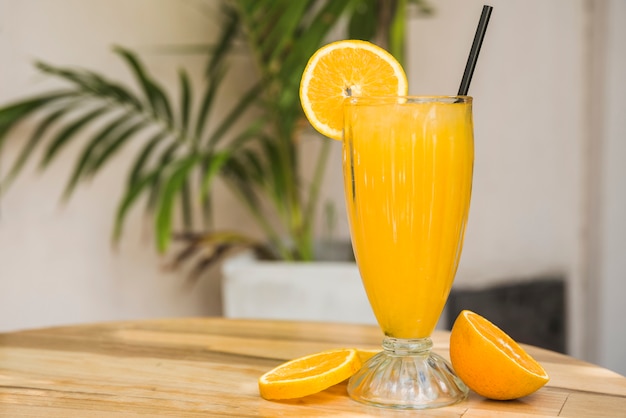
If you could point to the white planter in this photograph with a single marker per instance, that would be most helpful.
(316, 291)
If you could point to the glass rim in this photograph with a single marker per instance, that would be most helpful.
(403, 99)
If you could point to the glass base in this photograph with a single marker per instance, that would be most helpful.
(407, 375)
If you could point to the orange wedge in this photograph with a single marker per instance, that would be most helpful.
(310, 374)
(343, 69)
(490, 362)
(366, 354)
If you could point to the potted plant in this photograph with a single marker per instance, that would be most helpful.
(253, 148)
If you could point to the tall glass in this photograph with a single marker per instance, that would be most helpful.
(407, 164)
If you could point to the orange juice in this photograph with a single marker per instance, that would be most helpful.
(407, 166)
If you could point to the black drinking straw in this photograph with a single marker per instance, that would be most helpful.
(473, 56)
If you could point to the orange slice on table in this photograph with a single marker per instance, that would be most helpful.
(366, 353)
(490, 362)
(310, 374)
(342, 69)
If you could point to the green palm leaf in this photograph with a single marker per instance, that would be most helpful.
(235, 114)
(149, 183)
(69, 132)
(254, 166)
(306, 44)
(32, 143)
(212, 166)
(13, 114)
(88, 151)
(283, 31)
(173, 185)
(167, 157)
(142, 159)
(207, 101)
(132, 193)
(362, 24)
(155, 95)
(113, 145)
(185, 102)
(224, 44)
(237, 177)
(90, 83)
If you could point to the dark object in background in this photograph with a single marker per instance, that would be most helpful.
(531, 312)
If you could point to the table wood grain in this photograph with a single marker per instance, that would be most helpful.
(193, 367)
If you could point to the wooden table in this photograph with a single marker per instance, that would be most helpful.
(210, 366)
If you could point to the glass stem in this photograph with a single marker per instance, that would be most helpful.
(400, 347)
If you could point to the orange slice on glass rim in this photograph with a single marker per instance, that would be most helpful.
(343, 69)
(310, 374)
(490, 362)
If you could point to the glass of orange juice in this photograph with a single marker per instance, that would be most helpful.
(407, 165)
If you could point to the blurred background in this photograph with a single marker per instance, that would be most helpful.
(549, 191)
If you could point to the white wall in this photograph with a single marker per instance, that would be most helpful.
(607, 220)
(56, 262)
(529, 212)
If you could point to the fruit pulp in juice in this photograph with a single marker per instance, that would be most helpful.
(407, 177)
